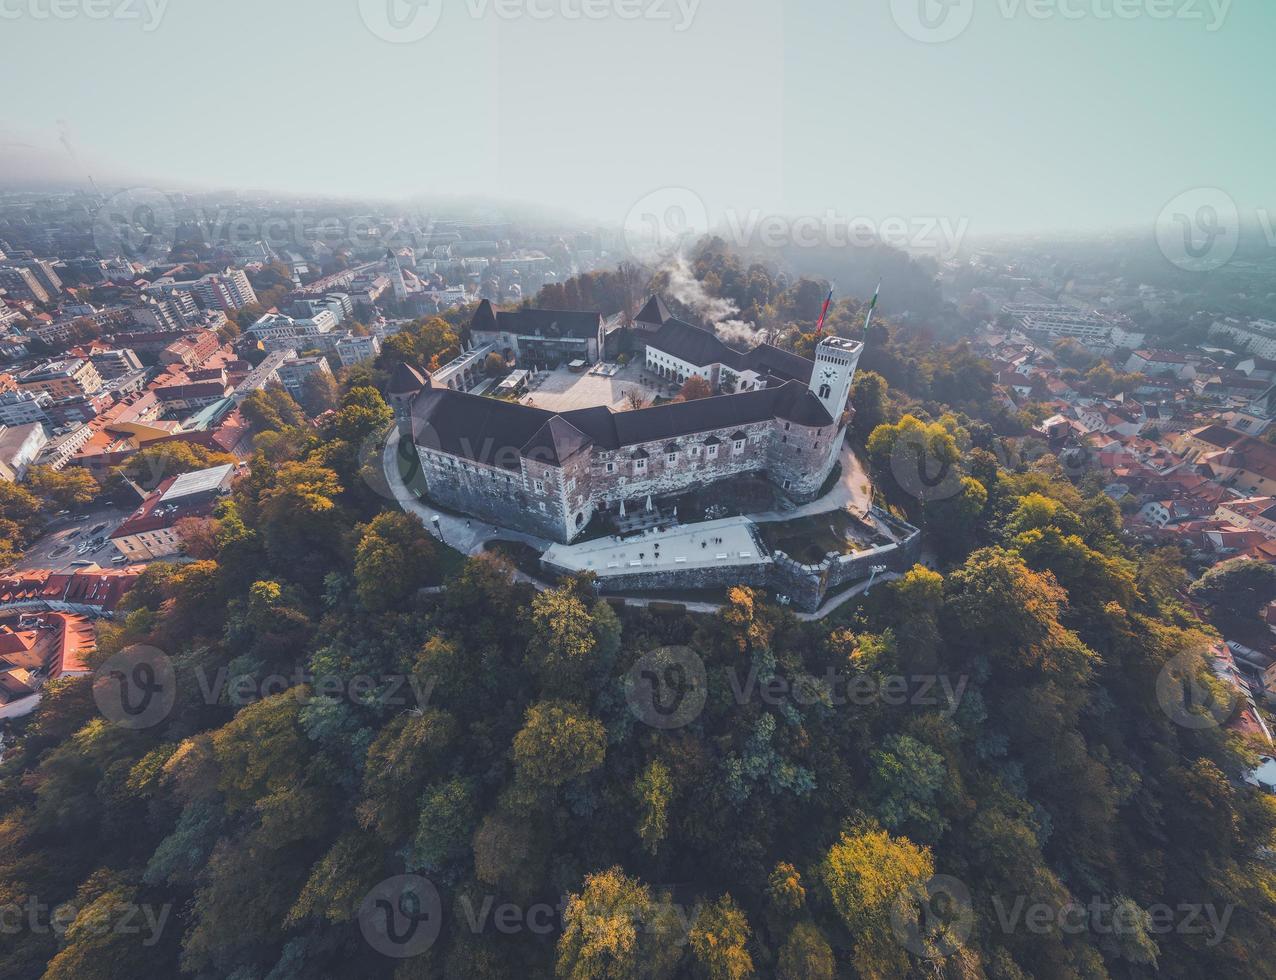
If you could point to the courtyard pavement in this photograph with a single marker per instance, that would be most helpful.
(562, 390)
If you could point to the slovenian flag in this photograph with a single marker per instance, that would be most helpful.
(819, 327)
(872, 306)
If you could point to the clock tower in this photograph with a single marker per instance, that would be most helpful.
(835, 361)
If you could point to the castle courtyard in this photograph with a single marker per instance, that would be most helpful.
(562, 390)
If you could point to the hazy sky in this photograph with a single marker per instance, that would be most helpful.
(1074, 117)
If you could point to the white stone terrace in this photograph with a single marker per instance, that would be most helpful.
(731, 541)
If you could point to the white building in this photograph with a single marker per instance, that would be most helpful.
(352, 349)
(20, 445)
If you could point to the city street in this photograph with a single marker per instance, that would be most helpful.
(56, 548)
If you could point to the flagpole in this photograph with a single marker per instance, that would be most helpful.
(871, 307)
(819, 327)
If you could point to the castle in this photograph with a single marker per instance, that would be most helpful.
(548, 473)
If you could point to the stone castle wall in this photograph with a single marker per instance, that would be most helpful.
(807, 586)
(558, 502)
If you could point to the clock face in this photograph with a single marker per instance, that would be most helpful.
(829, 374)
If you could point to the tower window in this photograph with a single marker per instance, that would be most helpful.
(825, 391)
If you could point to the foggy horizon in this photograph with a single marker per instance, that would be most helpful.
(751, 107)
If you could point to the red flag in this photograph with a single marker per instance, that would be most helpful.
(819, 327)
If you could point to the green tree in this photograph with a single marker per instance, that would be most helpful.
(558, 742)
(62, 489)
(653, 790)
(395, 556)
(806, 955)
(1237, 588)
(720, 940)
(614, 928)
(868, 399)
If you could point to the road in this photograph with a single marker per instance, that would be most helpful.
(467, 535)
(55, 549)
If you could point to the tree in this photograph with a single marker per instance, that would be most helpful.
(494, 365)
(395, 556)
(653, 790)
(868, 398)
(272, 409)
(907, 776)
(806, 955)
(62, 489)
(562, 641)
(953, 521)
(720, 939)
(695, 387)
(319, 392)
(785, 893)
(1237, 588)
(558, 742)
(198, 536)
(866, 873)
(260, 751)
(614, 928)
(150, 466)
(635, 399)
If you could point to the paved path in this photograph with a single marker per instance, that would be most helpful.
(467, 535)
(853, 490)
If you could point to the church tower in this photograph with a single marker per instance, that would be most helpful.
(396, 276)
(836, 359)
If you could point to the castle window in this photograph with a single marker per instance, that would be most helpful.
(640, 465)
(786, 426)
(738, 445)
(713, 451)
(571, 484)
(611, 467)
(825, 391)
(671, 458)
(538, 486)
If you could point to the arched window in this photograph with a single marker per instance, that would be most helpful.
(825, 391)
